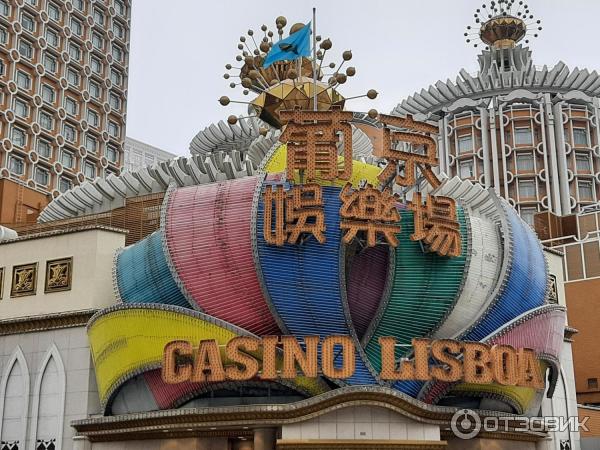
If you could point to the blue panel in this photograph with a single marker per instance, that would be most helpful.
(303, 281)
(143, 276)
(525, 287)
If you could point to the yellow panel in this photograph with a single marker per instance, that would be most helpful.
(523, 396)
(128, 340)
(360, 171)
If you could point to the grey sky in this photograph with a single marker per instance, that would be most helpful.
(179, 52)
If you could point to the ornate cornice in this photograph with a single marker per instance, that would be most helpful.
(159, 424)
(46, 322)
(65, 229)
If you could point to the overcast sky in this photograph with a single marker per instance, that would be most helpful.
(178, 52)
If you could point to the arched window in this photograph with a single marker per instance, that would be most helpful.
(14, 403)
(49, 403)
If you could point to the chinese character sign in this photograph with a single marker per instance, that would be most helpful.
(312, 139)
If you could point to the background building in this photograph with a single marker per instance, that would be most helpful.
(139, 154)
(531, 133)
(63, 91)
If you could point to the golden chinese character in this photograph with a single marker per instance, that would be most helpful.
(423, 161)
(312, 139)
(436, 224)
(302, 208)
(371, 211)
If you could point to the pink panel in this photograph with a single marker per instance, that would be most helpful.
(542, 333)
(209, 242)
(168, 396)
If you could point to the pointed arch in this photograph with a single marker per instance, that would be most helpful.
(15, 386)
(49, 400)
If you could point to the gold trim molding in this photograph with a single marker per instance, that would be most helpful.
(45, 322)
(359, 444)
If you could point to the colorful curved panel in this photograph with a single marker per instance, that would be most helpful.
(526, 282)
(366, 283)
(424, 288)
(142, 275)
(303, 282)
(127, 340)
(207, 230)
(484, 265)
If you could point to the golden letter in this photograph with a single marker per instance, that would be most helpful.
(529, 369)
(248, 363)
(208, 365)
(172, 373)
(504, 365)
(476, 363)
(452, 368)
(269, 363)
(293, 353)
(348, 357)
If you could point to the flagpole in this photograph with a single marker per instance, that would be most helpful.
(314, 39)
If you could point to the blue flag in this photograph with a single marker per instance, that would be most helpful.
(290, 48)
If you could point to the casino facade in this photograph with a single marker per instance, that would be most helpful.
(306, 219)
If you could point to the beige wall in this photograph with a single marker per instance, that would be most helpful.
(92, 252)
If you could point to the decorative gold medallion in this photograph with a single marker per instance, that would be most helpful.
(24, 280)
(58, 275)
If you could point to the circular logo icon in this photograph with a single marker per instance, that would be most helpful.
(465, 424)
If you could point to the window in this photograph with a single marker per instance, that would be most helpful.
(523, 136)
(116, 77)
(525, 162)
(42, 176)
(3, 35)
(54, 11)
(78, 4)
(91, 144)
(585, 189)
(583, 163)
(4, 9)
(18, 137)
(73, 77)
(71, 106)
(50, 63)
(25, 48)
(44, 149)
(27, 22)
(117, 52)
(16, 165)
(526, 189)
(113, 129)
(32, 2)
(580, 138)
(118, 30)
(111, 153)
(120, 7)
(46, 120)
(23, 80)
(95, 90)
(89, 170)
(93, 118)
(76, 26)
(52, 38)
(465, 143)
(67, 159)
(592, 383)
(48, 93)
(527, 215)
(1, 70)
(465, 169)
(96, 65)
(64, 184)
(74, 51)
(69, 132)
(114, 101)
(97, 40)
(21, 108)
(98, 16)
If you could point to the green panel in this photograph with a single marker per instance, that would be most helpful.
(424, 289)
